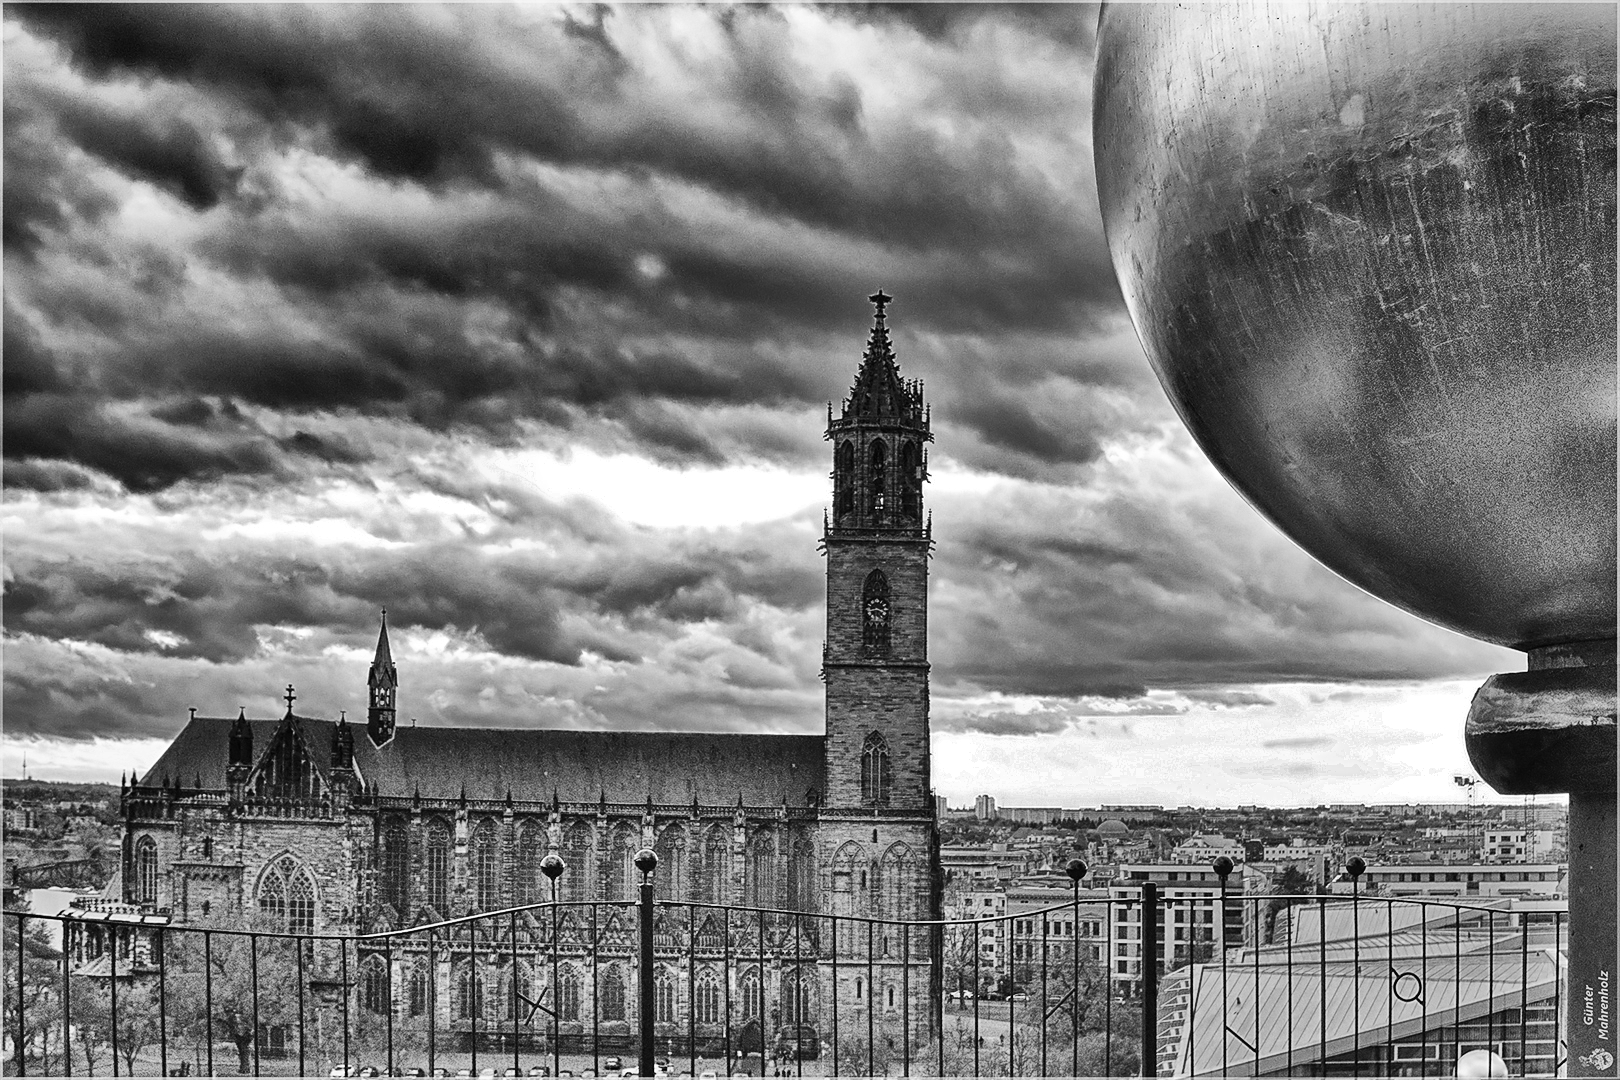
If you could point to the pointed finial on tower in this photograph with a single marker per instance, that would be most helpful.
(291, 697)
(882, 300)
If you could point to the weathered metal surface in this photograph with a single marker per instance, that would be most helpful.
(1545, 731)
(1370, 251)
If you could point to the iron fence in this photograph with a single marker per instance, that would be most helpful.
(1150, 978)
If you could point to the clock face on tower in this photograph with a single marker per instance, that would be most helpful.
(877, 611)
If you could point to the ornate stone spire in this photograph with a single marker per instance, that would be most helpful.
(879, 392)
(383, 687)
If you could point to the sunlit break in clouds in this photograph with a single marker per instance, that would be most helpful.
(522, 322)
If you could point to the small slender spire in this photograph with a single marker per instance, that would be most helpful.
(291, 697)
(385, 655)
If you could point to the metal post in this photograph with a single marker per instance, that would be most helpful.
(1354, 866)
(646, 862)
(552, 866)
(1223, 870)
(835, 996)
(513, 1000)
(298, 959)
(253, 955)
(1150, 977)
(1076, 869)
(162, 1004)
(22, 954)
(67, 995)
(343, 956)
(112, 952)
(432, 1008)
(208, 996)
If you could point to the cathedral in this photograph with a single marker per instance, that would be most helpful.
(321, 826)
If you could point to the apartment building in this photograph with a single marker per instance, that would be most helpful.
(1460, 880)
(1197, 917)
(1048, 923)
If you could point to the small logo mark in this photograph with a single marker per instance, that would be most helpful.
(1598, 1059)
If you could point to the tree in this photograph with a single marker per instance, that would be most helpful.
(1293, 882)
(33, 1007)
(215, 984)
(962, 961)
(94, 1021)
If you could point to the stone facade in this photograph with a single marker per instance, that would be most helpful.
(309, 825)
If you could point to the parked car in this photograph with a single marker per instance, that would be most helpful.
(539, 1070)
(340, 1070)
(613, 1062)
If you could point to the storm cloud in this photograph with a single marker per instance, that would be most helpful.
(522, 324)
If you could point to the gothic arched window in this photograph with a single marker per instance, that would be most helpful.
(716, 866)
(752, 992)
(578, 840)
(486, 866)
(612, 1004)
(845, 864)
(707, 997)
(530, 845)
(844, 480)
(876, 776)
(799, 997)
(394, 867)
(877, 468)
(671, 875)
(895, 891)
(419, 989)
(286, 896)
(469, 992)
(374, 985)
(801, 874)
(621, 866)
(513, 995)
(910, 480)
(437, 852)
(568, 992)
(146, 870)
(875, 613)
(761, 883)
(664, 995)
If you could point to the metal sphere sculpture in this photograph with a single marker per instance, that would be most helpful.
(1370, 252)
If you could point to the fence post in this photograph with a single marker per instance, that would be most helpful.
(1150, 978)
(646, 862)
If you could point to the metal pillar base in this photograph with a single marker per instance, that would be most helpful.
(1547, 730)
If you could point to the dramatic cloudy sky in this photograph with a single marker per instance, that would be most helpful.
(522, 323)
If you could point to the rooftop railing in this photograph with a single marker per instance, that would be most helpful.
(1130, 983)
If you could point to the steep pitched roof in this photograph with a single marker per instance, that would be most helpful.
(715, 768)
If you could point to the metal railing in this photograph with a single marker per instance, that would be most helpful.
(1149, 978)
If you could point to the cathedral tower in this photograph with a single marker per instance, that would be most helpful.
(383, 683)
(878, 813)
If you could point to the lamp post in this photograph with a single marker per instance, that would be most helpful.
(646, 863)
